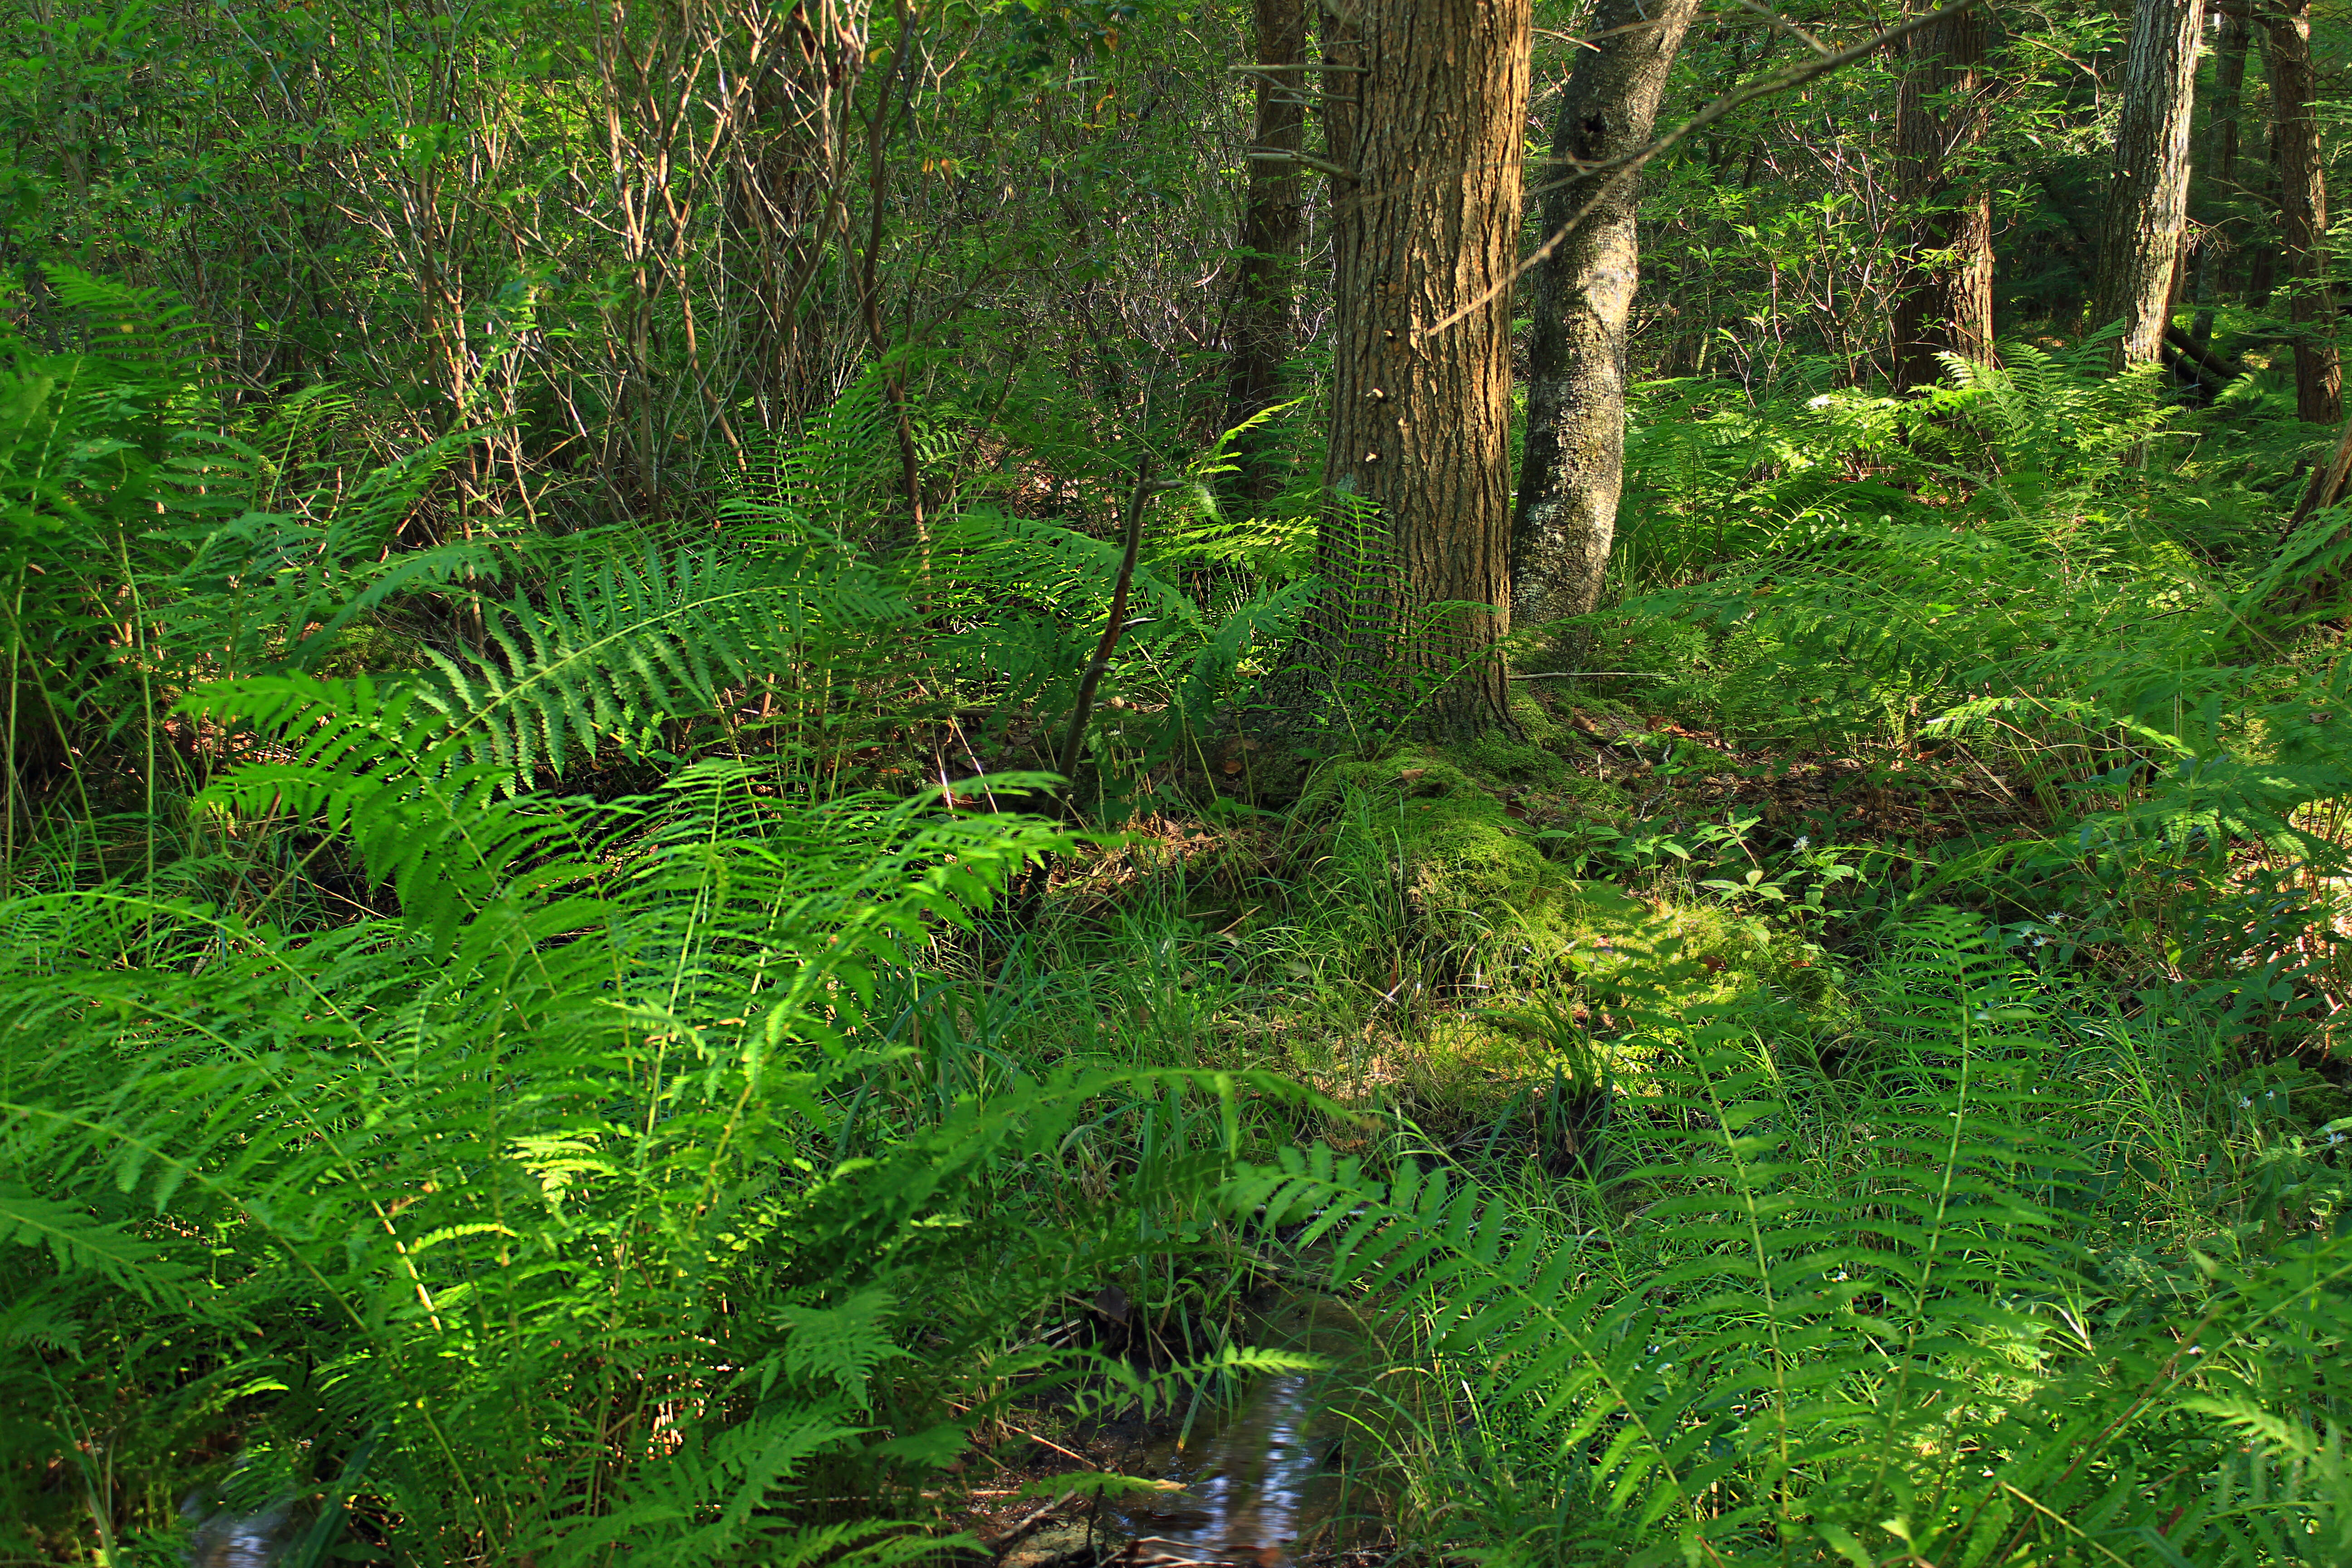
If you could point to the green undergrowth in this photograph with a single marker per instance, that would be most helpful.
(1796, 1302)
(491, 1072)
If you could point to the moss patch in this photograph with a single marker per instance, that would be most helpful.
(1453, 834)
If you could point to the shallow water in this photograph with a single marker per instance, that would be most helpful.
(248, 1541)
(1255, 1482)
(1260, 1479)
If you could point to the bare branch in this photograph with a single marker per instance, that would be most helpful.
(1633, 163)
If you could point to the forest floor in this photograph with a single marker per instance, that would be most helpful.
(1367, 937)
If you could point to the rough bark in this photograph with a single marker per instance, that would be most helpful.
(2147, 204)
(1573, 471)
(1266, 312)
(1427, 103)
(1944, 303)
(2303, 211)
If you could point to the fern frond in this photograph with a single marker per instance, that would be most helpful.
(77, 1242)
(618, 647)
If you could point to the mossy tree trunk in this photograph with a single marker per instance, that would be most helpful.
(2227, 106)
(1573, 469)
(2147, 203)
(2303, 211)
(1265, 309)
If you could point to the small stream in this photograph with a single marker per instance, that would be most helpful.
(1254, 1484)
(1256, 1481)
(1261, 1476)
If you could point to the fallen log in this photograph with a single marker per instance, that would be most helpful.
(2203, 355)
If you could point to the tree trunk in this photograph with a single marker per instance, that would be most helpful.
(2219, 162)
(1265, 313)
(1415, 549)
(1574, 466)
(2147, 204)
(2302, 213)
(1944, 303)
(2261, 267)
(2229, 97)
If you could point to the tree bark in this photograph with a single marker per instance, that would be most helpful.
(1944, 303)
(1427, 109)
(2219, 160)
(2229, 97)
(1266, 312)
(1573, 468)
(2302, 213)
(2147, 204)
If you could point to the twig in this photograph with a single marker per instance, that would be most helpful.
(1096, 667)
(1033, 886)
(1633, 162)
(1321, 165)
(1028, 1526)
(1304, 66)
(1572, 674)
(1781, 24)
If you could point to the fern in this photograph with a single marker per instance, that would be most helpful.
(102, 465)
(264, 592)
(619, 647)
(547, 1160)
(1824, 1365)
(1033, 595)
(2285, 1496)
(808, 483)
(77, 1243)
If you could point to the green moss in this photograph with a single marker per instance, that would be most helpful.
(1441, 838)
(1514, 762)
(1595, 798)
(371, 649)
(1540, 728)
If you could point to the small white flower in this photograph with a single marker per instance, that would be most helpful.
(2244, 1104)
(1804, 841)
(1824, 401)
